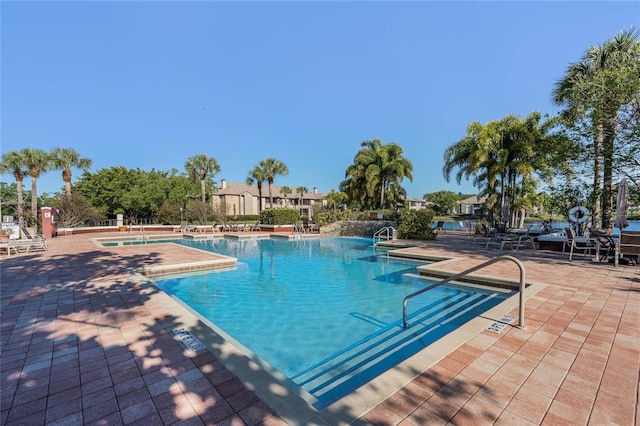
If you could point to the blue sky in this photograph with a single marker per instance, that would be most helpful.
(150, 84)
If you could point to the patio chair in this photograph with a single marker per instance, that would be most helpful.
(255, 227)
(8, 246)
(485, 234)
(514, 238)
(605, 244)
(628, 246)
(27, 245)
(578, 243)
(182, 228)
(27, 235)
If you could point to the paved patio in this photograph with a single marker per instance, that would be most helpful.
(85, 341)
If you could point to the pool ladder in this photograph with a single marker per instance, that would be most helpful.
(143, 234)
(468, 271)
(298, 230)
(385, 234)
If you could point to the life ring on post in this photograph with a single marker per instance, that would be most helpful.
(579, 214)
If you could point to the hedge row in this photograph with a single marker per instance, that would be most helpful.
(279, 216)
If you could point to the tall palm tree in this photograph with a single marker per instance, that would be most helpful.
(199, 167)
(591, 89)
(395, 168)
(13, 162)
(65, 158)
(377, 171)
(272, 168)
(301, 191)
(37, 161)
(257, 176)
(363, 177)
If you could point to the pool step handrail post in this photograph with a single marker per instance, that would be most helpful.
(466, 272)
(387, 233)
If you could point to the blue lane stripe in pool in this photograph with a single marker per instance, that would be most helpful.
(326, 313)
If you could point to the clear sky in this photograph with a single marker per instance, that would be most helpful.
(149, 84)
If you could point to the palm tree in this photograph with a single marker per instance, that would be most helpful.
(65, 158)
(37, 161)
(301, 191)
(363, 177)
(502, 157)
(395, 167)
(13, 162)
(285, 190)
(199, 167)
(272, 168)
(377, 170)
(593, 89)
(257, 176)
(334, 198)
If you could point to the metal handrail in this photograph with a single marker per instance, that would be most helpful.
(389, 232)
(468, 271)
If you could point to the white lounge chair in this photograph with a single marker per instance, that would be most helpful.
(255, 227)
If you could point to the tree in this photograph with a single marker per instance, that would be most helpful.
(395, 168)
(136, 193)
(301, 191)
(335, 198)
(199, 211)
(272, 168)
(285, 191)
(258, 176)
(502, 157)
(627, 154)
(74, 210)
(443, 201)
(13, 162)
(37, 162)
(593, 91)
(64, 159)
(376, 173)
(200, 167)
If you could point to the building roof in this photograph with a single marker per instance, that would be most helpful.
(238, 188)
(473, 200)
(415, 200)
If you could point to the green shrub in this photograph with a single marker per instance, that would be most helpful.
(416, 224)
(279, 216)
(325, 218)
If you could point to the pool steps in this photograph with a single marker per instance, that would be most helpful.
(336, 376)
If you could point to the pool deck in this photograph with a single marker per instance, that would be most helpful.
(86, 339)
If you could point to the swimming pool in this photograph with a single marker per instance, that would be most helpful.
(326, 312)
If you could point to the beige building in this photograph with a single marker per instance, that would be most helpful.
(472, 205)
(242, 199)
(415, 203)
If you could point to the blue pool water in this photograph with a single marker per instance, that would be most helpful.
(326, 313)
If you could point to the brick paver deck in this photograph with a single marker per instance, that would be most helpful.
(83, 342)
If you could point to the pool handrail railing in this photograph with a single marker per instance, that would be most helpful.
(466, 272)
(387, 233)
